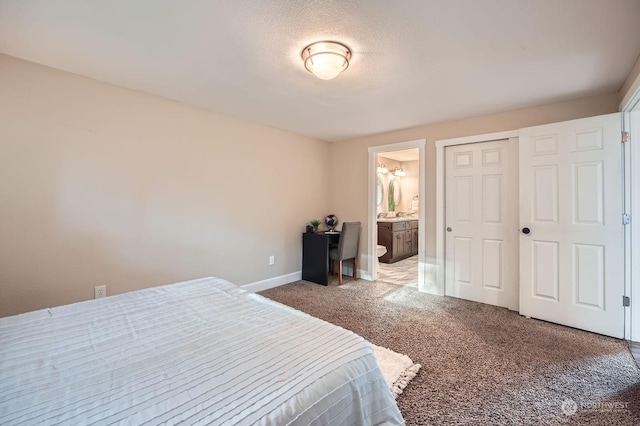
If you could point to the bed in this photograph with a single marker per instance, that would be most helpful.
(197, 352)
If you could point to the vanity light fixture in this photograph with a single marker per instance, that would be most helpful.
(326, 59)
(398, 171)
(382, 168)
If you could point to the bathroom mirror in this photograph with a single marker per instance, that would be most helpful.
(379, 191)
(396, 190)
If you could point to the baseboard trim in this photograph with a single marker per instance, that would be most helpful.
(273, 282)
(365, 275)
(347, 270)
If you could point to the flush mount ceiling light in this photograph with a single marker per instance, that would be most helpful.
(326, 59)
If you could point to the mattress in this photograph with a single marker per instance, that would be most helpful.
(197, 352)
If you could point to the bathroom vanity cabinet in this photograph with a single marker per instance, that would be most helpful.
(400, 237)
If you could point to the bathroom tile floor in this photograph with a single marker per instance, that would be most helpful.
(403, 272)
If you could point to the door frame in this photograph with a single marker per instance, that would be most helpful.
(438, 286)
(630, 108)
(372, 229)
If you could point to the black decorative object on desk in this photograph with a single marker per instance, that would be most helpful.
(309, 229)
(331, 221)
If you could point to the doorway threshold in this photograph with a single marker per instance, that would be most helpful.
(403, 272)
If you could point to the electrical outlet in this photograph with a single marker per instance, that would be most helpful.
(272, 260)
(100, 291)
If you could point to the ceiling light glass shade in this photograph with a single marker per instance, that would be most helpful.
(382, 168)
(326, 59)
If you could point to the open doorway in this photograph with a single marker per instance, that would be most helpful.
(396, 190)
(397, 209)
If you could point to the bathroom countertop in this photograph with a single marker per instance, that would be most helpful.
(397, 219)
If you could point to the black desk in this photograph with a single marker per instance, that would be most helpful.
(315, 256)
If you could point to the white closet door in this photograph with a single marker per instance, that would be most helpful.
(572, 258)
(481, 236)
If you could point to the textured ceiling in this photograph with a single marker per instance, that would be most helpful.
(414, 61)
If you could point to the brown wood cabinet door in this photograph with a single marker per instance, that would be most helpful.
(414, 241)
(408, 241)
(398, 244)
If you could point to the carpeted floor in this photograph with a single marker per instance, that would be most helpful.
(481, 364)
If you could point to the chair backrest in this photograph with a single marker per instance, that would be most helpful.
(349, 239)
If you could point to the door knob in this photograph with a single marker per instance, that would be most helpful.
(526, 231)
(449, 229)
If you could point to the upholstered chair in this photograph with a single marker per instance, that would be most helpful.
(347, 248)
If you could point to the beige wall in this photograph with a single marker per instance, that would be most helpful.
(104, 185)
(408, 184)
(349, 159)
(386, 178)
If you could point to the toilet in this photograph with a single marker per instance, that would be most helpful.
(380, 251)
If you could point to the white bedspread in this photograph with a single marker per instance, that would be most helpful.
(198, 352)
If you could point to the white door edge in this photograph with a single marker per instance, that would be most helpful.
(632, 326)
(626, 182)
